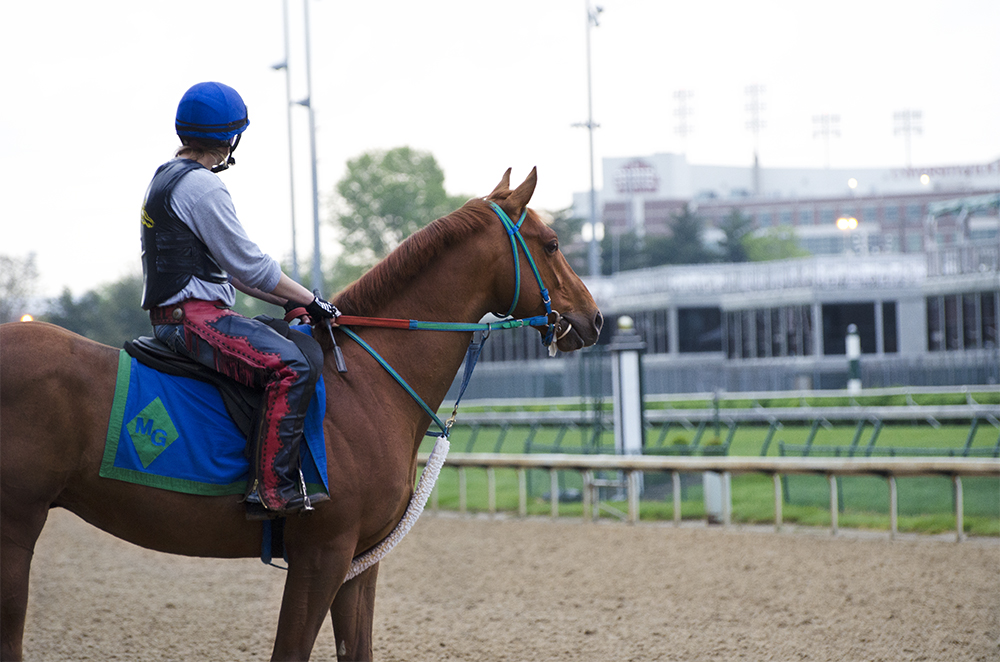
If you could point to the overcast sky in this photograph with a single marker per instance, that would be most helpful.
(90, 90)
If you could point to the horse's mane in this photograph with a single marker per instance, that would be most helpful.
(370, 292)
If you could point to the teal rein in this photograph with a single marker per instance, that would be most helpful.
(513, 230)
(402, 382)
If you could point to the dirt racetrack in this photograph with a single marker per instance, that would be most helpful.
(481, 589)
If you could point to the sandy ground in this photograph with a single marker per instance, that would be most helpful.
(481, 589)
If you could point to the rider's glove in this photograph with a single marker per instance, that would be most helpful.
(322, 309)
(294, 311)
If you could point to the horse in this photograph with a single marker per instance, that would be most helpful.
(56, 395)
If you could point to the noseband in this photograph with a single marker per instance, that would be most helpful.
(514, 234)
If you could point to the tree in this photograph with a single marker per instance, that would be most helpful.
(17, 283)
(684, 246)
(625, 251)
(773, 244)
(736, 228)
(385, 197)
(110, 314)
(568, 228)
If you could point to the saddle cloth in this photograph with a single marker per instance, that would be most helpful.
(175, 433)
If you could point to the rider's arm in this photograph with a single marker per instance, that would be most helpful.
(288, 290)
(254, 292)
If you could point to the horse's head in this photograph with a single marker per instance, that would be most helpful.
(575, 314)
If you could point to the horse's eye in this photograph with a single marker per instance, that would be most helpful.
(552, 247)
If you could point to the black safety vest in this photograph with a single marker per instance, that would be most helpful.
(171, 252)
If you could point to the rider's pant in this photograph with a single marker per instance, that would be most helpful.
(256, 355)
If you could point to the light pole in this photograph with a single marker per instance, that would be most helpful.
(291, 160)
(317, 273)
(593, 247)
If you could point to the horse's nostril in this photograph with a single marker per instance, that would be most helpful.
(599, 321)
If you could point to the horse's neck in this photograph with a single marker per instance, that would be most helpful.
(455, 288)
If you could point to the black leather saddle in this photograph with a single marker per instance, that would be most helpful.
(242, 402)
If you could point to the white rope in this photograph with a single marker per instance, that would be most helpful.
(416, 506)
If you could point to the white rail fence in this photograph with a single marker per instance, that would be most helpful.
(632, 466)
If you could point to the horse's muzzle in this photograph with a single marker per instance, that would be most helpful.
(578, 330)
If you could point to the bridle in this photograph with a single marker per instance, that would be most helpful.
(516, 238)
(550, 319)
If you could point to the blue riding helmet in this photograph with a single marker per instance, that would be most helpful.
(211, 111)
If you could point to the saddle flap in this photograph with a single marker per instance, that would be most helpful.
(242, 402)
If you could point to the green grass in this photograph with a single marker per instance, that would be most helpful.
(925, 504)
(984, 397)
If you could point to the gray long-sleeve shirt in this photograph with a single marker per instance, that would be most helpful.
(202, 201)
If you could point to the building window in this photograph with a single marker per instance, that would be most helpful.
(746, 334)
(699, 330)
(988, 318)
(890, 331)
(890, 243)
(869, 214)
(914, 242)
(785, 217)
(764, 219)
(826, 216)
(763, 346)
(914, 214)
(806, 216)
(970, 321)
(732, 335)
(934, 334)
(808, 344)
(962, 321)
(891, 214)
(653, 329)
(838, 316)
(769, 332)
(793, 331)
(952, 323)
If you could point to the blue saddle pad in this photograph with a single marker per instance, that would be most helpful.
(174, 433)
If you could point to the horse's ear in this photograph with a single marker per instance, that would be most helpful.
(504, 184)
(519, 198)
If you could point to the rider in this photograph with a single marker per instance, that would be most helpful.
(194, 253)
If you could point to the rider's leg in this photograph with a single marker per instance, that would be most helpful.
(253, 353)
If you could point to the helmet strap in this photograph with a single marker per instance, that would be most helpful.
(229, 161)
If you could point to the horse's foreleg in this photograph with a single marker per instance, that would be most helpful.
(20, 529)
(352, 613)
(314, 575)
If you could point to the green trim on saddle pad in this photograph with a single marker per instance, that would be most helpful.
(160, 445)
(108, 468)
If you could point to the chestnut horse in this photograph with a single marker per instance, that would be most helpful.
(56, 400)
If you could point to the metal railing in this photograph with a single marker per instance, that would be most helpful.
(632, 466)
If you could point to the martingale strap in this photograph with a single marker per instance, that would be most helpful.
(471, 357)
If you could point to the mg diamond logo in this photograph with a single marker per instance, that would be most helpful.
(152, 432)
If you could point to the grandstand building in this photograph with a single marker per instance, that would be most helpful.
(907, 210)
(918, 275)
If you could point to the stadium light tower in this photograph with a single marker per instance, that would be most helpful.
(907, 123)
(683, 112)
(826, 126)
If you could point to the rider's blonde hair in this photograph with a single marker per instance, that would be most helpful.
(196, 148)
